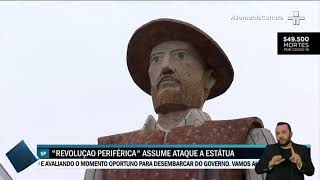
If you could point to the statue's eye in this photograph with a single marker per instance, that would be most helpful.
(155, 59)
(180, 55)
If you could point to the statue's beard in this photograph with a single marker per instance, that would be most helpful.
(184, 96)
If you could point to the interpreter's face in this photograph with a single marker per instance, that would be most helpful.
(283, 135)
(176, 76)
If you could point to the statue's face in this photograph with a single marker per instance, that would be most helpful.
(176, 75)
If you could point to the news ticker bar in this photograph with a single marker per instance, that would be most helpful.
(298, 43)
(151, 156)
(151, 151)
(149, 163)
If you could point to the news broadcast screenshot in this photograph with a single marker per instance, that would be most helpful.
(162, 90)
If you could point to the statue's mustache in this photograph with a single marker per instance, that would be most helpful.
(167, 78)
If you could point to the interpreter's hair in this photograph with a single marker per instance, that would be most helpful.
(284, 123)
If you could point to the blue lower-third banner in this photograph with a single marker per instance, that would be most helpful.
(151, 156)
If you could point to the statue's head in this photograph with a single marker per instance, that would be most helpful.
(177, 64)
(179, 78)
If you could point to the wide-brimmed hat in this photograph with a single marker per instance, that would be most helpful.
(157, 31)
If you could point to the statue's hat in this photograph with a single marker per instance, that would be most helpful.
(157, 31)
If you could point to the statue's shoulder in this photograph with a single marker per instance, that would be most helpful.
(260, 136)
(116, 138)
(257, 134)
(134, 137)
(250, 122)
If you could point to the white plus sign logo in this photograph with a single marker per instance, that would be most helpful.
(296, 18)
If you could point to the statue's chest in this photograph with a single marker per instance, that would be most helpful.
(211, 132)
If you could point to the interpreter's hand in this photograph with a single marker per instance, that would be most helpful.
(277, 159)
(295, 158)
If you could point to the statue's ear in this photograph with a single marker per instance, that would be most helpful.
(209, 81)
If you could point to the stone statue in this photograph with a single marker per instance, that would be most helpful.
(181, 67)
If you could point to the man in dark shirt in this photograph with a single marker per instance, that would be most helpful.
(285, 160)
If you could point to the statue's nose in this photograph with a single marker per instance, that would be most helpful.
(167, 66)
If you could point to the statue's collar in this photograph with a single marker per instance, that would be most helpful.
(195, 117)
